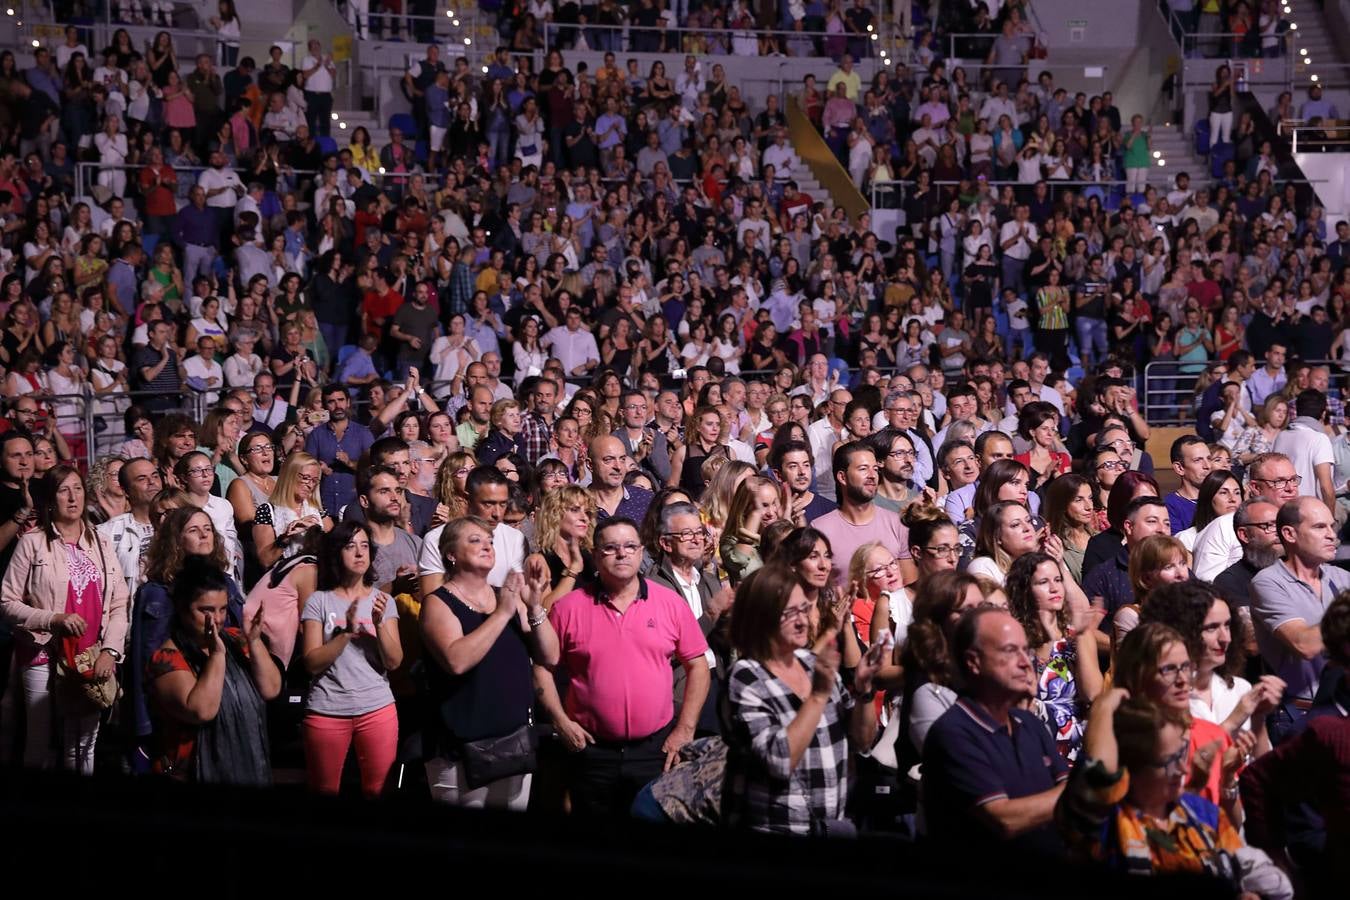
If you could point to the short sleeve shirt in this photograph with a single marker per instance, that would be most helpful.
(356, 683)
(622, 684)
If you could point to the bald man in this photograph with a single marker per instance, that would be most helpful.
(609, 463)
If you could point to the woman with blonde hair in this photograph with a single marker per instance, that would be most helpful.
(716, 497)
(502, 435)
(1157, 559)
(562, 528)
(881, 603)
(450, 479)
(758, 502)
(1260, 438)
(292, 509)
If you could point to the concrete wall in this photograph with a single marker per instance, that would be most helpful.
(1106, 23)
(1333, 171)
(1137, 84)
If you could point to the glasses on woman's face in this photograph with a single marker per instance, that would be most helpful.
(1112, 465)
(878, 571)
(200, 471)
(1174, 764)
(1174, 672)
(310, 480)
(792, 612)
(943, 550)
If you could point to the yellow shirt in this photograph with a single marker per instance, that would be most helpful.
(852, 83)
(366, 157)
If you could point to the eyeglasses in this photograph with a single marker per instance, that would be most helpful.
(263, 448)
(883, 569)
(200, 470)
(689, 535)
(1279, 483)
(903, 454)
(1113, 465)
(943, 550)
(1174, 672)
(1262, 526)
(1176, 763)
(307, 479)
(615, 549)
(792, 612)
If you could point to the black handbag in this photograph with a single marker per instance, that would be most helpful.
(490, 759)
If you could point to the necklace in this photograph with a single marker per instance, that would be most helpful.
(458, 591)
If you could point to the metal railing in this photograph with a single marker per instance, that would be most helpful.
(891, 194)
(1169, 397)
(1329, 137)
(725, 41)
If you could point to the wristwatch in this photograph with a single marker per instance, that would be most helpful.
(115, 654)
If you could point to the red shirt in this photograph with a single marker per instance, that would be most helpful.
(159, 199)
(380, 306)
(1205, 292)
(622, 684)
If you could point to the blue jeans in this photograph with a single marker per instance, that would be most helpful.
(646, 809)
(1091, 336)
(1014, 336)
(335, 337)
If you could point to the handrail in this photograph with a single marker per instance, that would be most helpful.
(811, 148)
(726, 34)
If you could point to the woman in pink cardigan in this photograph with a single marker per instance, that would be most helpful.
(63, 593)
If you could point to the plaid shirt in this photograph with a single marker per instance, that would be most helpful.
(461, 288)
(535, 435)
(763, 790)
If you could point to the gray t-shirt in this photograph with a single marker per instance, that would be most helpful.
(420, 323)
(356, 683)
(403, 551)
(1277, 598)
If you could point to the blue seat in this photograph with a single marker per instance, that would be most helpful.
(345, 353)
(326, 145)
(148, 243)
(422, 151)
(404, 123)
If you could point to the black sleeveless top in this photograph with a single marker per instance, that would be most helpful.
(492, 699)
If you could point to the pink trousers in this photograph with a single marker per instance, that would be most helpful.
(327, 739)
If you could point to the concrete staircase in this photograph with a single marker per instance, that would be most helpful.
(1327, 52)
(1178, 155)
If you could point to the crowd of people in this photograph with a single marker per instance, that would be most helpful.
(568, 437)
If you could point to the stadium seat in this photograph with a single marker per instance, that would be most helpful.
(326, 145)
(404, 123)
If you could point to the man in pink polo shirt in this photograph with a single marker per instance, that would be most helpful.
(617, 639)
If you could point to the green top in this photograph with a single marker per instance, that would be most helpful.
(1137, 152)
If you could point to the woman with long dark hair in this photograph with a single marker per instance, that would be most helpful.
(184, 532)
(208, 687)
(350, 644)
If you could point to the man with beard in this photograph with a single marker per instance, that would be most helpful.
(646, 445)
(395, 550)
(612, 496)
(536, 426)
(475, 427)
(791, 465)
(859, 520)
(897, 488)
(488, 491)
(417, 513)
(337, 444)
(1254, 524)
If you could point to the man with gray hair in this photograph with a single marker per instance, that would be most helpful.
(1254, 525)
(680, 551)
(1216, 546)
(1288, 601)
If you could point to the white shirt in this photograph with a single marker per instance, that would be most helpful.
(130, 540)
(321, 82)
(221, 512)
(1225, 700)
(572, 348)
(240, 370)
(690, 591)
(1021, 249)
(198, 367)
(1307, 446)
(1216, 548)
(983, 565)
(210, 179)
(823, 438)
(507, 543)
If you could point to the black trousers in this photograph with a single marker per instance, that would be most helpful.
(607, 775)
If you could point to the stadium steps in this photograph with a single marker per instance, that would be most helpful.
(1178, 152)
(1324, 49)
